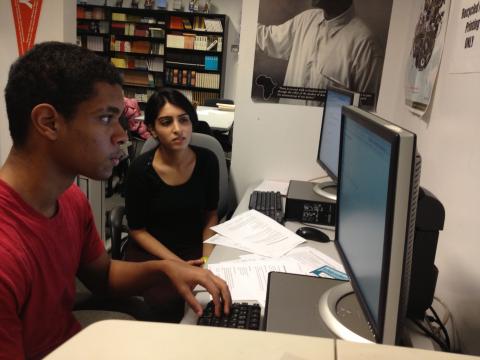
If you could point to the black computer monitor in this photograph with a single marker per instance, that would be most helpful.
(378, 182)
(328, 146)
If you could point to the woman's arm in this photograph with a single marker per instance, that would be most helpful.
(151, 245)
(211, 219)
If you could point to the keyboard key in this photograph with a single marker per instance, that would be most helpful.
(268, 203)
(242, 316)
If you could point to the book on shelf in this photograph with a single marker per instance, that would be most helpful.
(188, 41)
(176, 23)
(119, 62)
(198, 23)
(155, 64)
(186, 77)
(175, 41)
(137, 78)
(119, 16)
(211, 44)
(213, 25)
(141, 47)
(157, 49)
(157, 32)
(187, 25)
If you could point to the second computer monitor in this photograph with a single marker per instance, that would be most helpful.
(329, 145)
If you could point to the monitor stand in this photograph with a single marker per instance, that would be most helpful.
(341, 313)
(327, 189)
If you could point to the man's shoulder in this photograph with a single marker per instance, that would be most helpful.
(361, 29)
(311, 14)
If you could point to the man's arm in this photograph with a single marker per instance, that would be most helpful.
(131, 278)
(276, 40)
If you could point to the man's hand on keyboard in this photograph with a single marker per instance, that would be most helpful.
(185, 277)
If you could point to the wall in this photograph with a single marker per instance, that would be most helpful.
(233, 10)
(280, 142)
(55, 23)
(448, 143)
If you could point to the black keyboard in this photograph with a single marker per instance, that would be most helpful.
(241, 316)
(268, 203)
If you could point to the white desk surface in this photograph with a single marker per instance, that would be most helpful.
(123, 339)
(217, 119)
(221, 120)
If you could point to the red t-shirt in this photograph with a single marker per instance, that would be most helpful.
(39, 258)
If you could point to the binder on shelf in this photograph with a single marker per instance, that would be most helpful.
(211, 63)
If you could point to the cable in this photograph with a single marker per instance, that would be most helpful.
(447, 312)
(431, 334)
(442, 326)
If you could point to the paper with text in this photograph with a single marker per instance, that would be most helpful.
(257, 233)
(248, 280)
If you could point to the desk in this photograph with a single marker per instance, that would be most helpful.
(223, 253)
(220, 120)
(123, 339)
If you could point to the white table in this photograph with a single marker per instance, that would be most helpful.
(123, 339)
(221, 120)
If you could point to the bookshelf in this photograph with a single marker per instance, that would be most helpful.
(155, 48)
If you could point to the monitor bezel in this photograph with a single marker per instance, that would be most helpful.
(393, 134)
(354, 100)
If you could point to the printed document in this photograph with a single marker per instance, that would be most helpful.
(257, 233)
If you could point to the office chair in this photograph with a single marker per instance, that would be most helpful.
(115, 221)
(213, 102)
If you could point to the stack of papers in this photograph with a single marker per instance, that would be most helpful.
(257, 233)
(273, 248)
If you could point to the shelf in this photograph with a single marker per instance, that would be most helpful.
(196, 32)
(140, 85)
(157, 25)
(141, 70)
(199, 67)
(185, 61)
(141, 38)
(193, 88)
(134, 53)
(193, 51)
(90, 19)
(91, 33)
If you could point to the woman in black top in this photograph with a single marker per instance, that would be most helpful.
(172, 193)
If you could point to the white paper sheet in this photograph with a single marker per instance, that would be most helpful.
(257, 233)
(248, 280)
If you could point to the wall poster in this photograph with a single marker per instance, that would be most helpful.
(466, 50)
(25, 15)
(425, 54)
(303, 46)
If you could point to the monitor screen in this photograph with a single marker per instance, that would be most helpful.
(329, 144)
(377, 189)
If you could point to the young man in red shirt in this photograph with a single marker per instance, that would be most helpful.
(63, 104)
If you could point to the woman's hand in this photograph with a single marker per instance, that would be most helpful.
(196, 262)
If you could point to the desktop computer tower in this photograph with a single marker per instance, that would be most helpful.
(304, 205)
(423, 279)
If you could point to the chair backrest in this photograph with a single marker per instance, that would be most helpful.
(213, 102)
(212, 144)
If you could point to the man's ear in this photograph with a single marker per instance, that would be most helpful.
(45, 120)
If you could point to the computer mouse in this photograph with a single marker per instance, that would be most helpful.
(313, 234)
